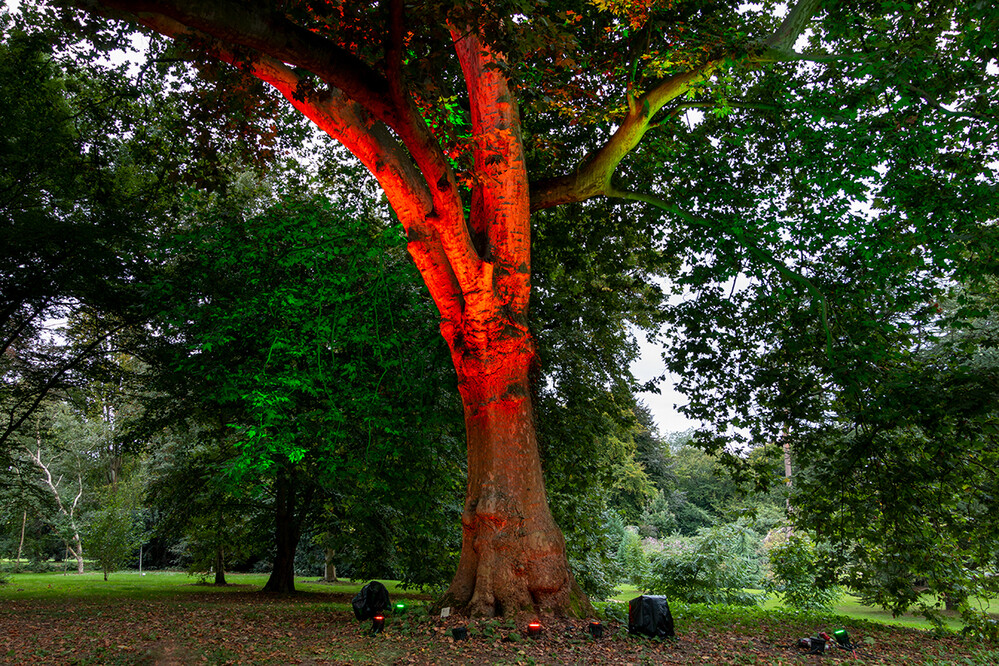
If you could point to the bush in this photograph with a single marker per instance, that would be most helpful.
(796, 575)
(716, 566)
(596, 574)
(633, 560)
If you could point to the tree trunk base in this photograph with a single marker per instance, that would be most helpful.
(513, 565)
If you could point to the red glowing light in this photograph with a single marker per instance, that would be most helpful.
(534, 625)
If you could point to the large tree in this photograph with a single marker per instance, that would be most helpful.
(447, 104)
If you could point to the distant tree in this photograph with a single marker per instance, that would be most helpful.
(633, 560)
(720, 564)
(114, 528)
(210, 524)
(60, 453)
(797, 574)
(659, 515)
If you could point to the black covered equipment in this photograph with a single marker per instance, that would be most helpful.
(650, 616)
(371, 600)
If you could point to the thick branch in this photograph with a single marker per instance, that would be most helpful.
(370, 141)
(793, 25)
(274, 41)
(242, 25)
(593, 177)
(500, 208)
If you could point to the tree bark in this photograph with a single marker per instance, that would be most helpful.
(77, 550)
(219, 566)
(513, 554)
(20, 545)
(286, 533)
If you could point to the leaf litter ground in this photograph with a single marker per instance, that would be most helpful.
(243, 626)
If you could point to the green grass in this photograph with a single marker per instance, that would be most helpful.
(130, 585)
(849, 606)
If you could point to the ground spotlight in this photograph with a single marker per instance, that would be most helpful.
(534, 629)
(377, 624)
(596, 629)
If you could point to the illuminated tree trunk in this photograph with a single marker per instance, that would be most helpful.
(513, 555)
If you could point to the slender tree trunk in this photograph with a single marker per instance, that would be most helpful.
(77, 549)
(20, 545)
(286, 533)
(219, 566)
(787, 472)
(329, 571)
(513, 555)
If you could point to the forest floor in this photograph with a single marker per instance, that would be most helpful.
(240, 625)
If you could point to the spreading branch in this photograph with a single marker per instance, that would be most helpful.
(371, 114)
(593, 177)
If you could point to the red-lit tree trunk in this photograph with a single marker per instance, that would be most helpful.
(513, 555)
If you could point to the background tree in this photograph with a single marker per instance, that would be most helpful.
(201, 515)
(114, 528)
(59, 240)
(301, 332)
(927, 440)
(60, 453)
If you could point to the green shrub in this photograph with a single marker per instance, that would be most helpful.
(796, 575)
(716, 566)
(633, 559)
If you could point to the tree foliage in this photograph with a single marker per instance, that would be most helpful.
(908, 495)
(296, 333)
(797, 575)
(114, 529)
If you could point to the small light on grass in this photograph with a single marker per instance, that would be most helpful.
(534, 629)
(400, 608)
(377, 624)
(596, 629)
